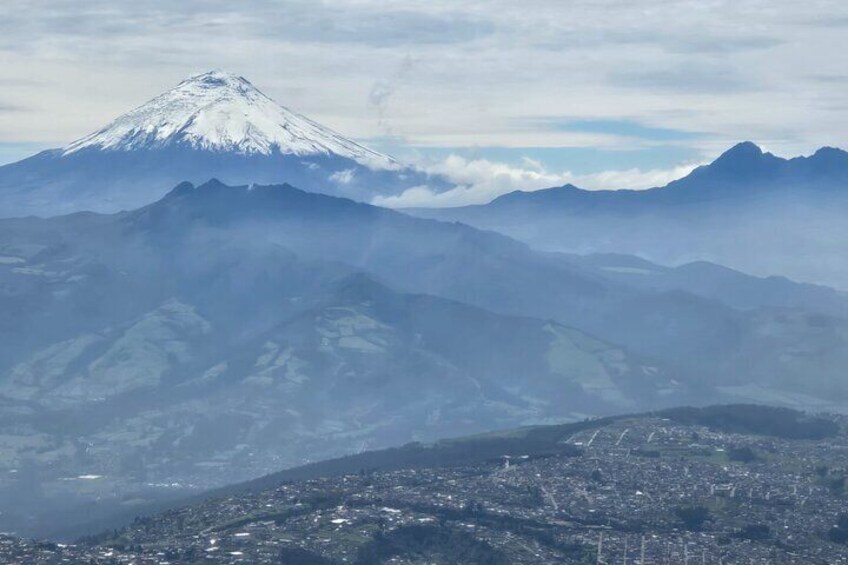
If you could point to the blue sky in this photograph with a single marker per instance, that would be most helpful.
(502, 94)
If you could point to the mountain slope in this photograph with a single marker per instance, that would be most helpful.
(716, 282)
(222, 332)
(701, 335)
(155, 352)
(696, 333)
(212, 125)
(748, 210)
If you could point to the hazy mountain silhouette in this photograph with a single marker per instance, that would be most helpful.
(748, 210)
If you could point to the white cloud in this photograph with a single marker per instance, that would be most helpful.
(632, 178)
(483, 71)
(481, 180)
(343, 177)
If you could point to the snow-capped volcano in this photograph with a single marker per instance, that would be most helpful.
(213, 125)
(220, 111)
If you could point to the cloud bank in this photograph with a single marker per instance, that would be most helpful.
(480, 181)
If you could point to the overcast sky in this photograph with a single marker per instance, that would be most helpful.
(530, 93)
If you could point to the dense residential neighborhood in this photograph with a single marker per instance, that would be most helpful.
(646, 489)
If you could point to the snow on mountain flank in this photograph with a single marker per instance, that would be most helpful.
(218, 111)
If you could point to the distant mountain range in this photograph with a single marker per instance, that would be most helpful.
(748, 210)
(174, 333)
(212, 125)
(223, 332)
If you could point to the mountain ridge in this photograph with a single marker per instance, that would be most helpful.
(748, 210)
(740, 161)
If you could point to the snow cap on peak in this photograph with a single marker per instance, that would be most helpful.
(220, 111)
(215, 76)
(217, 79)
